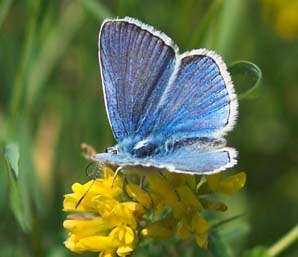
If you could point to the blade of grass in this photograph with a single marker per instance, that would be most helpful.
(122, 7)
(231, 19)
(202, 31)
(21, 76)
(4, 8)
(52, 49)
(97, 9)
(284, 242)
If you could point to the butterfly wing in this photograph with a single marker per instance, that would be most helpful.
(153, 92)
(137, 63)
(192, 161)
(201, 101)
(150, 89)
(183, 160)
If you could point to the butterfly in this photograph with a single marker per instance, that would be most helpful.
(167, 110)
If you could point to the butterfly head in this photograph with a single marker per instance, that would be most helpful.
(112, 150)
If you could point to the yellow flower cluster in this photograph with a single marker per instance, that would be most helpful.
(283, 15)
(114, 216)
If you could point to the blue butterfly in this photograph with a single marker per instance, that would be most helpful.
(167, 110)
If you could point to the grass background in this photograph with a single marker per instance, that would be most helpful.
(51, 101)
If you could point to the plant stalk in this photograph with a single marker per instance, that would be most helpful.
(284, 242)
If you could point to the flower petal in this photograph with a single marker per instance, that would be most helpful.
(124, 250)
(138, 194)
(86, 227)
(107, 253)
(98, 243)
(232, 184)
(202, 240)
(161, 229)
(183, 230)
(226, 184)
(199, 225)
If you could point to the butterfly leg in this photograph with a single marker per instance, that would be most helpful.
(142, 182)
(116, 174)
(142, 186)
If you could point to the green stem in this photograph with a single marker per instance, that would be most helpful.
(284, 242)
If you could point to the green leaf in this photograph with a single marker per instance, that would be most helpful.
(246, 77)
(217, 246)
(28, 184)
(12, 156)
(259, 251)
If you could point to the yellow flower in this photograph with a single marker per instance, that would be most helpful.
(194, 225)
(183, 229)
(214, 205)
(102, 223)
(138, 194)
(226, 184)
(176, 192)
(200, 229)
(161, 229)
(86, 226)
(283, 16)
(120, 240)
(109, 217)
(116, 213)
(100, 187)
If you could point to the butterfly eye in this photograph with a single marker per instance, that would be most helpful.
(112, 150)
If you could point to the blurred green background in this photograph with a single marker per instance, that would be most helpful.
(51, 101)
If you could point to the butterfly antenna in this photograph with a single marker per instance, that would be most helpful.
(91, 175)
(84, 195)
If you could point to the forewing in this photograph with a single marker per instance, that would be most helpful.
(201, 101)
(136, 65)
(183, 160)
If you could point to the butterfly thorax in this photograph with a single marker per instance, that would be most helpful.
(153, 146)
